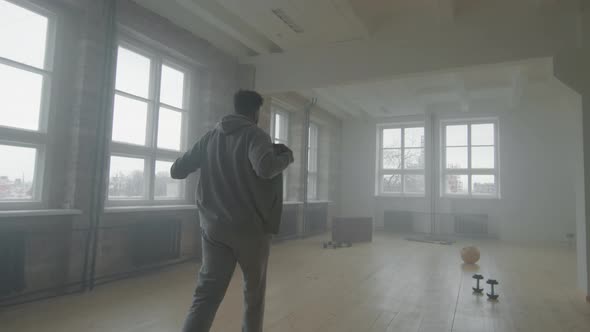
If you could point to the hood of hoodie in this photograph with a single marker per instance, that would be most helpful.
(232, 123)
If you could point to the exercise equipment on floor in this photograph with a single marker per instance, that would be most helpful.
(477, 290)
(336, 245)
(492, 296)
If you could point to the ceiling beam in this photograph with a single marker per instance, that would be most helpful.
(405, 51)
(344, 104)
(331, 108)
(216, 15)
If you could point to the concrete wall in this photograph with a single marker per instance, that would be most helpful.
(81, 99)
(540, 154)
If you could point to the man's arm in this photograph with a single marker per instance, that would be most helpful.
(266, 162)
(191, 161)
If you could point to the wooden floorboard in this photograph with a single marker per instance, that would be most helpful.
(385, 286)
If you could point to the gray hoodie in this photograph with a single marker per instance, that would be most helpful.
(240, 185)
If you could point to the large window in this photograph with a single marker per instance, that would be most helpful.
(470, 166)
(26, 43)
(279, 127)
(401, 160)
(149, 115)
(312, 163)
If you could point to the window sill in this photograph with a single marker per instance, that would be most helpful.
(318, 202)
(157, 208)
(292, 203)
(471, 197)
(39, 213)
(400, 196)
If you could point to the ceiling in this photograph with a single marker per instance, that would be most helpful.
(257, 27)
(463, 88)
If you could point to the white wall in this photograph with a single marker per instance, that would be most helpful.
(540, 156)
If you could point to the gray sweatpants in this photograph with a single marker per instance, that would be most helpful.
(221, 252)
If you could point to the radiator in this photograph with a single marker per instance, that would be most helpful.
(398, 221)
(155, 241)
(289, 219)
(12, 262)
(471, 224)
(316, 218)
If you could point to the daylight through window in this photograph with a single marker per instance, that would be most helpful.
(402, 160)
(25, 80)
(149, 115)
(279, 127)
(312, 163)
(470, 159)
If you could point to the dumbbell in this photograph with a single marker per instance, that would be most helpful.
(493, 296)
(477, 289)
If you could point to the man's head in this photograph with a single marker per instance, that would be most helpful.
(248, 103)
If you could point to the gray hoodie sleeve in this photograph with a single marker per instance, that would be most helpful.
(191, 161)
(266, 163)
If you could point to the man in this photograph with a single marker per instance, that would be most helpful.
(240, 202)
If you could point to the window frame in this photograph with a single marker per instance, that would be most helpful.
(275, 110)
(150, 152)
(313, 148)
(380, 171)
(469, 171)
(28, 138)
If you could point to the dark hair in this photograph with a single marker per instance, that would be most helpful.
(247, 102)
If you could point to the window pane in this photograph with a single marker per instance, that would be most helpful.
(483, 184)
(17, 176)
(126, 178)
(457, 184)
(392, 138)
(392, 159)
(165, 187)
(20, 94)
(312, 186)
(280, 127)
(414, 137)
(456, 135)
(172, 87)
(456, 157)
(23, 35)
(169, 129)
(276, 126)
(312, 161)
(129, 120)
(414, 158)
(414, 184)
(391, 183)
(482, 157)
(482, 134)
(133, 73)
(313, 136)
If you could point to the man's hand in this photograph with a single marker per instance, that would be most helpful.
(283, 149)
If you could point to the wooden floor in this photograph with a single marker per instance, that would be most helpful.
(388, 285)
